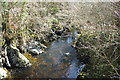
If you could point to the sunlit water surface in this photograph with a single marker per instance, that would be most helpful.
(59, 61)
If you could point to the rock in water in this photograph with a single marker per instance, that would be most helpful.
(41, 51)
(67, 53)
(43, 46)
(59, 32)
(17, 59)
(3, 73)
(35, 51)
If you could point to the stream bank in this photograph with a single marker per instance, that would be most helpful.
(99, 50)
(39, 25)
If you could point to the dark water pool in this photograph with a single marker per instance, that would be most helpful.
(59, 61)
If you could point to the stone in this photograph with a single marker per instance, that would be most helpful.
(4, 59)
(59, 32)
(35, 51)
(3, 73)
(15, 58)
(41, 51)
(22, 49)
(1, 64)
(67, 53)
(36, 44)
(43, 46)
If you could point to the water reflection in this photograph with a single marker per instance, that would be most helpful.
(54, 63)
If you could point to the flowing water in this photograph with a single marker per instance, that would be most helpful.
(59, 61)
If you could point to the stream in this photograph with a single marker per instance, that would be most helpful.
(58, 61)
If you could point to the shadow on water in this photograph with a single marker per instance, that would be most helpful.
(59, 61)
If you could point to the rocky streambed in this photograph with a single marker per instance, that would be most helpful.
(55, 59)
(58, 61)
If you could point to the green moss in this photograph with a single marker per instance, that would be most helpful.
(30, 57)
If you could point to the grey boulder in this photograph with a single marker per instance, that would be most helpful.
(3, 73)
(17, 59)
(34, 51)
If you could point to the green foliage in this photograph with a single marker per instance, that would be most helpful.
(82, 75)
(2, 42)
(4, 5)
